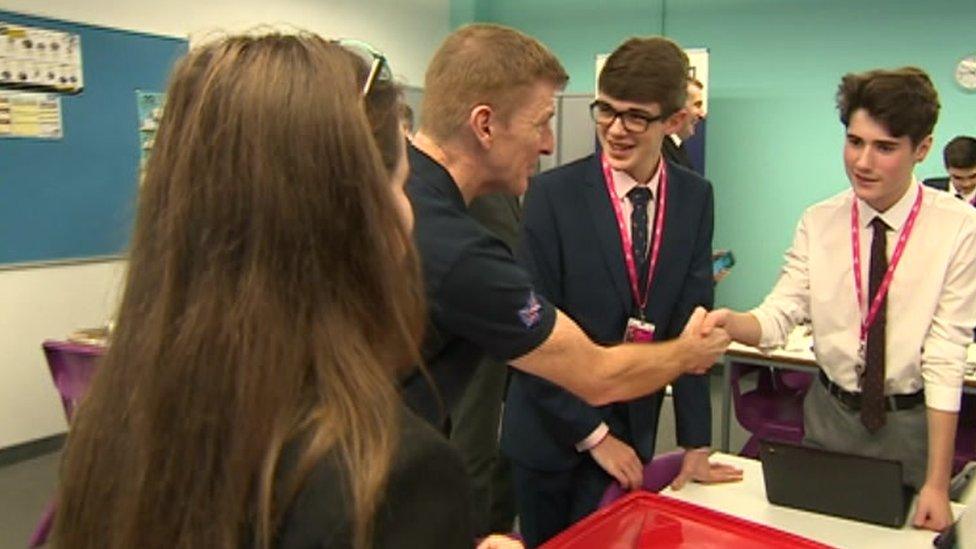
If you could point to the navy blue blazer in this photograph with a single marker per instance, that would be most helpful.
(571, 247)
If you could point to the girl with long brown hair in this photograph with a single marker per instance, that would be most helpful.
(248, 397)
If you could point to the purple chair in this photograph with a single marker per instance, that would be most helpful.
(774, 409)
(72, 366)
(657, 475)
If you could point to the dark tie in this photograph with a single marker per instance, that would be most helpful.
(639, 197)
(872, 387)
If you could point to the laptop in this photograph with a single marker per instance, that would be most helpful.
(843, 485)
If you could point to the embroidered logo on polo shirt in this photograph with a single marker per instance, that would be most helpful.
(531, 313)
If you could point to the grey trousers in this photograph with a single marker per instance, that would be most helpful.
(830, 426)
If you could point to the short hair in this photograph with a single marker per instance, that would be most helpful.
(903, 100)
(483, 64)
(647, 70)
(960, 152)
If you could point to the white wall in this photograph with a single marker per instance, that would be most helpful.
(407, 31)
(49, 302)
(37, 304)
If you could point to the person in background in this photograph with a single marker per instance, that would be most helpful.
(673, 145)
(249, 397)
(959, 156)
(477, 416)
(406, 116)
(884, 271)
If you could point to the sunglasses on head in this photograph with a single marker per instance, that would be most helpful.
(379, 68)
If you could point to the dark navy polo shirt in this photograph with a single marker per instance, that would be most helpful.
(480, 301)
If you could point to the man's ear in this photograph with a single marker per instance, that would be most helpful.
(674, 122)
(923, 148)
(481, 120)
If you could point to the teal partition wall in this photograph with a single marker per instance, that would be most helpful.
(774, 141)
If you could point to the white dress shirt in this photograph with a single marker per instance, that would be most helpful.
(931, 308)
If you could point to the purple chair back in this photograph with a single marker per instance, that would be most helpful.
(774, 409)
(72, 366)
(658, 473)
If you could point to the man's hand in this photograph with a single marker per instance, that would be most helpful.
(696, 467)
(701, 349)
(619, 461)
(715, 319)
(933, 511)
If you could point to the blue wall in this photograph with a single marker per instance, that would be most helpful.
(74, 197)
(774, 142)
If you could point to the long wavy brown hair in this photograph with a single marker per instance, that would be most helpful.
(272, 296)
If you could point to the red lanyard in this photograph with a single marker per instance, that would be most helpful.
(906, 230)
(625, 241)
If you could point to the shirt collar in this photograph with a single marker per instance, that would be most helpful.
(967, 197)
(896, 215)
(426, 169)
(623, 183)
(675, 139)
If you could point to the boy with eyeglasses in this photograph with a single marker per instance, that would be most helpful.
(621, 242)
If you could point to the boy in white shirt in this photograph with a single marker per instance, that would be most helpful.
(891, 299)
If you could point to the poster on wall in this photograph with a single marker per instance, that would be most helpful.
(150, 108)
(30, 115)
(39, 59)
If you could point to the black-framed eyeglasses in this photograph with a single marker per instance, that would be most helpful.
(379, 68)
(634, 121)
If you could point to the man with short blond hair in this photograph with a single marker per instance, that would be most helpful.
(499, 65)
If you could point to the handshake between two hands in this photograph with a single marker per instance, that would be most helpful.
(704, 339)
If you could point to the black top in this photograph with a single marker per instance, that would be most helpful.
(480, 300)
(426, 503)
(677, 154)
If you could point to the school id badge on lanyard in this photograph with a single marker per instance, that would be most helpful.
(639, 330)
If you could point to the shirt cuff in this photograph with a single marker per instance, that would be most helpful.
(942, 398)
(596, 437)
(770, 335)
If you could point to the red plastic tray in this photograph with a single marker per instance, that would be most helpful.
(643, 519)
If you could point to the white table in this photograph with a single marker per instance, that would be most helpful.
(747, 500)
